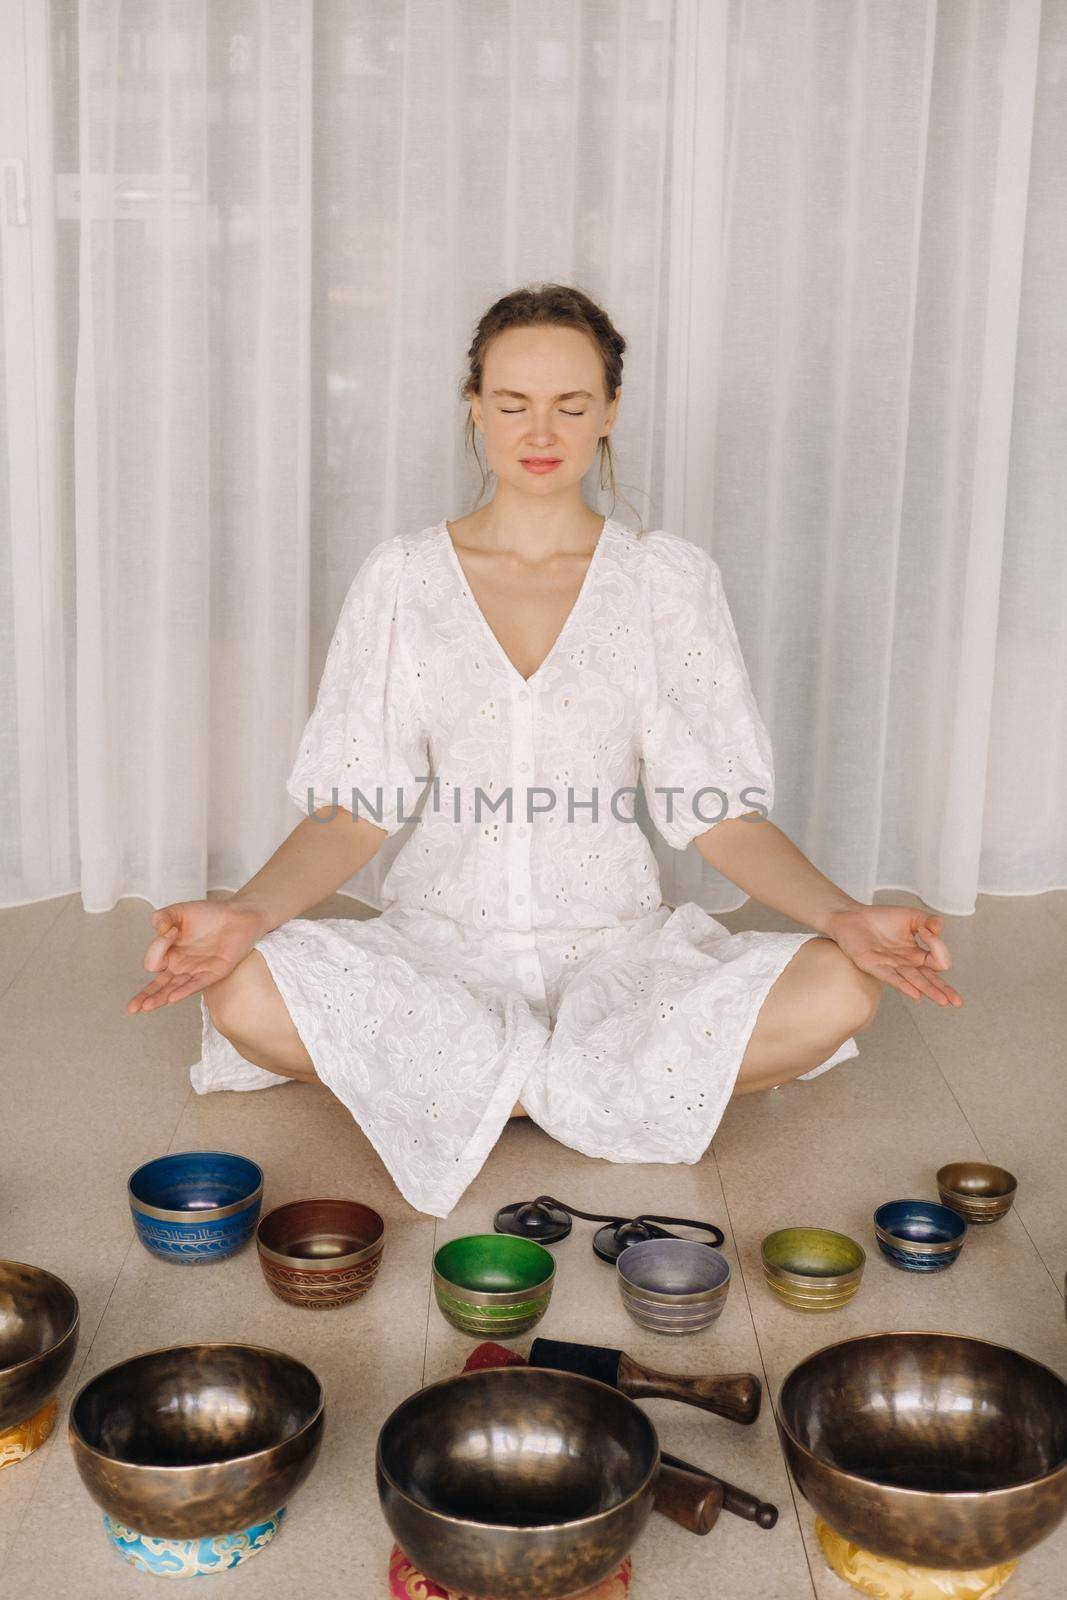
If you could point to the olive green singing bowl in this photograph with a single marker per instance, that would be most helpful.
(812, 1269)
(493, 1285)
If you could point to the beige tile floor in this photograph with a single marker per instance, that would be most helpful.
(88, 1093)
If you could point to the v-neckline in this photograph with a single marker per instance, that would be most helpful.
(567, 621)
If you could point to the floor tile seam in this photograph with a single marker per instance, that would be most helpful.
(429, 1302)
(763, 1369)
(981, 1145)
(20, 969)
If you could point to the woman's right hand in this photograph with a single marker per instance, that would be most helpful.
(197, 943)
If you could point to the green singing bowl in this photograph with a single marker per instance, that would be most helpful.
(929, 1448)
(197, 1439)
(493, 1285)
(38, 1336)
(812, 1269)
(519, 1483)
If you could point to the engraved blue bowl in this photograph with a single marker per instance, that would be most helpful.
(919, 1236)
(196, 1206)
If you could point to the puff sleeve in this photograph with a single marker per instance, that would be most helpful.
(701, 729)
(366, 731)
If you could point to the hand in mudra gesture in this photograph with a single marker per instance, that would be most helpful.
(882, 940)
(198, 942)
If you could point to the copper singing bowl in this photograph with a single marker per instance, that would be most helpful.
(197, 1439)
(38, 1337)
(517, 1483)
(930, 1448)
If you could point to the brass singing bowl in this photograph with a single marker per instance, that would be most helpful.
(197, 1439)
(930, 1448)
(519, 1483)
(38, 1337)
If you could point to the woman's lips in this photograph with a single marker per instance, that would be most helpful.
(540, 466)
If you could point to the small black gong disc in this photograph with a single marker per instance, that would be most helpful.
(528, 1220)
(610, 1241)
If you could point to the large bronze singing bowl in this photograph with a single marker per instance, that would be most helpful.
(930, 1448)
(38, 1337)
(197, 1439)
(517, 1482)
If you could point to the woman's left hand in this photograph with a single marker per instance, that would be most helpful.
(881, 940)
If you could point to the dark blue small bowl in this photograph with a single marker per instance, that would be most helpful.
(196, 1206)
(919, 1235)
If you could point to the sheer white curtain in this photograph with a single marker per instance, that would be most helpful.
(242, 249)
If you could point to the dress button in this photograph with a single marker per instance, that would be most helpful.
(524, 694)
(523, 832)
(520, 899)
(524, 766)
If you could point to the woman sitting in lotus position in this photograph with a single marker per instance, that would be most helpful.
(521, 671)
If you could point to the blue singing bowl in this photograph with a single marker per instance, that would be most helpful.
(918, 1235)
(196, 1206)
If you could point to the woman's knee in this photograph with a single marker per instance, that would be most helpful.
(846, 994)
(236, 999)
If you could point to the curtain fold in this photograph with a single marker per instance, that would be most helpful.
(242, 251)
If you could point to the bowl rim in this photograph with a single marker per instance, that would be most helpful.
(75, 1433)
(514, 1527)
(215, 1213)
(492, 1299)
(931, 1205)
(542, 1284)
(806, 1278)
(919, 1247)
(965, 1194)
(68, 1332)
(957, 1496)
(321, 1263)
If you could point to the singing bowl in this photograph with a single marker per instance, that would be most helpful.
(930, 1448)
(919, 1235)
(517, 1483)
(38, 1337)
(493, 1285)
(195, 1206)
(197, 1439)
(979, 1192)
(320, 1254)
(673, 1285)
(812, 1269)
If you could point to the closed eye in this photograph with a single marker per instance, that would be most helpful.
(514, 411)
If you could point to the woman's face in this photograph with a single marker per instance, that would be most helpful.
(542, 395)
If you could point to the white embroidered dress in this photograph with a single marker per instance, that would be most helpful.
(527, 954)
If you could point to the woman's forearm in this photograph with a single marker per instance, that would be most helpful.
(316, 858)
(765, 862)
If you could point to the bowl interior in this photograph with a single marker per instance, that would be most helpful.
(931, 1412)
(195, 1180)
(814, 1252)
(518, 1447)
(494, 1263)
(974, 1180)
(193, 1404)
(37, 1310)
(920, 1222)
(673, 1266)
(320, 1230)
